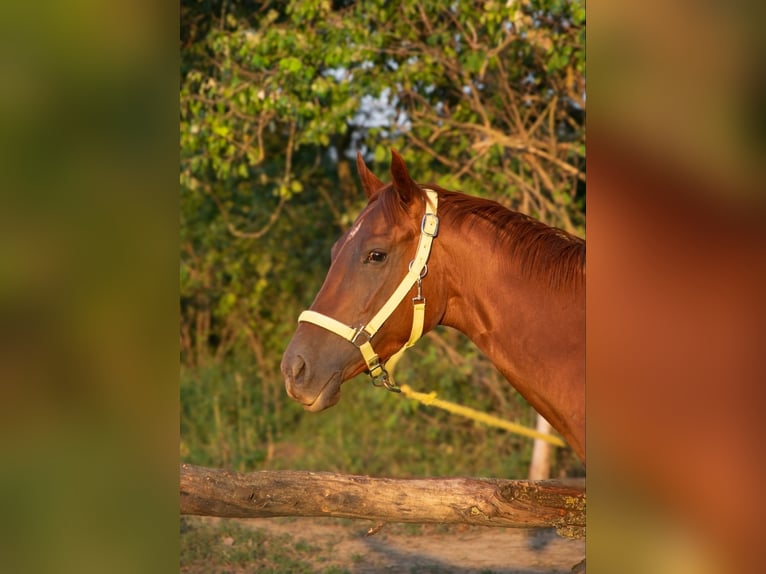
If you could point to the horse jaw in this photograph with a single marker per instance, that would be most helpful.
(329, 396)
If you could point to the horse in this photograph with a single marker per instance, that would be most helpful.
(513, 285)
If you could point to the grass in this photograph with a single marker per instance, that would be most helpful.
(233, 547)
(229, 547)
(234, 416)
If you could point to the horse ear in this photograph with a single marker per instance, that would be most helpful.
(370, 183)
(403, 183)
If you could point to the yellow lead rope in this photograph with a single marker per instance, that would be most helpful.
(430, 399)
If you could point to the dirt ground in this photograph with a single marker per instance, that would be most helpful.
(442, 549)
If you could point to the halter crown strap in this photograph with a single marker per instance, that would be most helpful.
(361, 337)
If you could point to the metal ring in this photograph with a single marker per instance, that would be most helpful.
(423, 272)
(360, 332)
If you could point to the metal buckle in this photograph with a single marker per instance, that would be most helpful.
(419, 297)
(435, 224)
(360, 331)
(382, 379)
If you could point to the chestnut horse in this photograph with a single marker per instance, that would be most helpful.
(513, 285)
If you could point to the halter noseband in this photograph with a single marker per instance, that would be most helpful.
(361, 337)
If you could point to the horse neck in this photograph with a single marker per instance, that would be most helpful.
(533, 334)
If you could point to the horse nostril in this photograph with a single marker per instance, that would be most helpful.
(299, 368)
(294, 369)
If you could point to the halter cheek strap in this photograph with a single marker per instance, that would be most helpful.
(361, 337)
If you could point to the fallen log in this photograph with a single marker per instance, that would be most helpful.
(487, 502)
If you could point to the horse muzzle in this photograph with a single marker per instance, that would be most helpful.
(302, 384)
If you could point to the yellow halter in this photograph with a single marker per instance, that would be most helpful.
(361, 337)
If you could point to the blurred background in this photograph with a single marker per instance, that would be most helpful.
(676, 276)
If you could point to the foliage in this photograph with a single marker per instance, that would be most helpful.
(232, 418)
(276, 98)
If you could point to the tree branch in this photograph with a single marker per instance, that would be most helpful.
(487, 502)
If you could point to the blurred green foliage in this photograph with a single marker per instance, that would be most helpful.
(276, 98)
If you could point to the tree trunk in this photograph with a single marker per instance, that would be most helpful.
(486, 502)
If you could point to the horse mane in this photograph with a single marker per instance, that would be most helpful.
(545, 253)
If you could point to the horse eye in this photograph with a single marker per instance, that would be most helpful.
(376, 257)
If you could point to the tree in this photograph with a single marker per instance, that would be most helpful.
(276, 97)
(487, 97)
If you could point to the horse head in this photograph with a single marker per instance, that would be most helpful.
(363, 304)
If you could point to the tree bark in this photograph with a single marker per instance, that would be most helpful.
(487, 502)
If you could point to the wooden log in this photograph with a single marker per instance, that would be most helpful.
(487, 502)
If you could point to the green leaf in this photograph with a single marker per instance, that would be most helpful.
(290, 64)
(221, 130)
